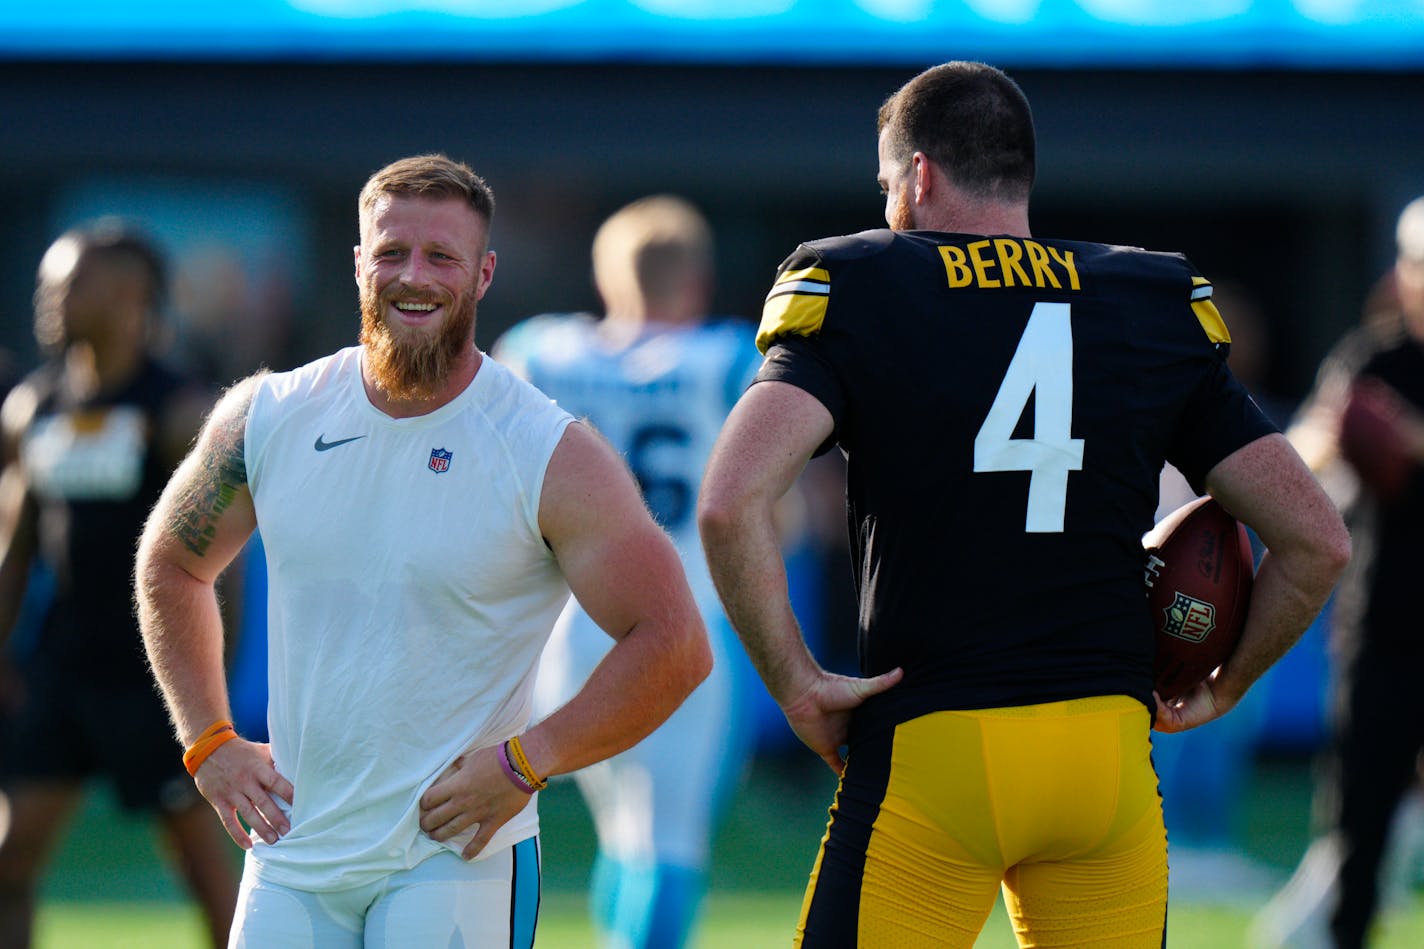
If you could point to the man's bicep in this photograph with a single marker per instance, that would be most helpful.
(618, 563)
(772, 432)
(1266, 485)
(205, 514)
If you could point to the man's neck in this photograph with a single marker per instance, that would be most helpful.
(978, 217)
(620, 327)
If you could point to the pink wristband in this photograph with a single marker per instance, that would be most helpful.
(513, 775)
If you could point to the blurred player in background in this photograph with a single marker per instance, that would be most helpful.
(424, 514)
(1367, 411)
(90, 438)
(1004, 740)
(657, 377)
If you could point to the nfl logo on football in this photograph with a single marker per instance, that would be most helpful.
(440, 460)
(1189, 618)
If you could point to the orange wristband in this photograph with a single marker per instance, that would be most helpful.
(212, 730)
(214, 735)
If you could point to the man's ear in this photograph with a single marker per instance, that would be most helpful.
(923, 171)
(486, 275)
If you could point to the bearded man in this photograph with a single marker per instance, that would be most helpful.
(425, 515)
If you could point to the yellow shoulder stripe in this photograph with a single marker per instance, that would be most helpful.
(796, 305)
(805, 273)
(1207, 314)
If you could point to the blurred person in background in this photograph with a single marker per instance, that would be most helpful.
(89, 440)
(1362, 428)
(425, 514)
(237, 313)
(656, 375)
(1002, 743)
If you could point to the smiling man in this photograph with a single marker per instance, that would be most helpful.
(425, 515)
(418, 303)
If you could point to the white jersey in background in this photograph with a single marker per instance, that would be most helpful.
(410, 596)
(660, 398)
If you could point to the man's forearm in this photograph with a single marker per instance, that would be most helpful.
(640, 682)
(183, 636)
(1287, 595)
(745, 559)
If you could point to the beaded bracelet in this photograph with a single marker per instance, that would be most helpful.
(216, 734)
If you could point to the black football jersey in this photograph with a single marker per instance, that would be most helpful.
(1005, 406)
(95, 471)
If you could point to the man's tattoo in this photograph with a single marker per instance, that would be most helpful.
(220, 472)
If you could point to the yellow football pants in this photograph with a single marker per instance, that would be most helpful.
(1056, 803)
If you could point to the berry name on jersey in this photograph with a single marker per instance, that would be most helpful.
(1004, 262)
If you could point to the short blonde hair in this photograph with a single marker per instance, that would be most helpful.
(650, 248)
(429, 176)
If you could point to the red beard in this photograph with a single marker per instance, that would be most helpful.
(409, 365)
(901, 219)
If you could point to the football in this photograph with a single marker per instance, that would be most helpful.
(1199, 575)
(1373, 441)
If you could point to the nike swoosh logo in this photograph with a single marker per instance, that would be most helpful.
(327, 446)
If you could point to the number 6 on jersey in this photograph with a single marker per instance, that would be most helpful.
(1043, 362)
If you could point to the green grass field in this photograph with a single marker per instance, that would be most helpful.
(731, 921)
(109, 888)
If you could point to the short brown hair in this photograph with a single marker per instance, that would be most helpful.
(650, 248)
(429, 176)
(970, 119)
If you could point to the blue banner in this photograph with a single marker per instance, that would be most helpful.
(1356, 34)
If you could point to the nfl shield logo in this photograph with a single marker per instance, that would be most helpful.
(1189, 618)
(439, 460)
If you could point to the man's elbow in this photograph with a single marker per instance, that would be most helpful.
(147, 566)
(715, 517)
(1319, 556)
(722, 517)
(1335, 550)
(695, 660)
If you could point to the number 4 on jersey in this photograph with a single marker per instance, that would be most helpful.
(1042, 363)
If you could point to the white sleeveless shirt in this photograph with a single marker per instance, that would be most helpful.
(410, 595)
